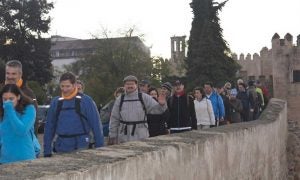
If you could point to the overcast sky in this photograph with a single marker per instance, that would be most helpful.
(248, 24)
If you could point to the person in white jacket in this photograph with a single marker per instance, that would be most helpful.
(203, 108)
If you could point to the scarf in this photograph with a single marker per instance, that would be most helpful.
(73, 94)
(20, 83)
(179, 94)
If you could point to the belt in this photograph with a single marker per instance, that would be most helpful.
(134, 123)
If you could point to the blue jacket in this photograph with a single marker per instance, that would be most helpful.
(72, 132)
(15, 134)
(218, 105)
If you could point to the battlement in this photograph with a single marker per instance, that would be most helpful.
(249, 57)
(287, 41)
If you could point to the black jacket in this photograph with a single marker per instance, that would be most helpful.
(182, 112)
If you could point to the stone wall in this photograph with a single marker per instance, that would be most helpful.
(252, 150)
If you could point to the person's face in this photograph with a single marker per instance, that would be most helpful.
(165, 91)
(12, 75)
(198, 94)
(207, 89)
(179, 88)
(8, 96)
(130, 86)
(241, 88)
(80, 88)
(221, 90)
(67, 88)
(144, 88)
(153, 93)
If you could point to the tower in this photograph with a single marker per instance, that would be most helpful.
(178, 48)
(177, 56)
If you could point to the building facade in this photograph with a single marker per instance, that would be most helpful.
(66, 50)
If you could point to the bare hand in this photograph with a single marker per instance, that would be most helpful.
(161, 99)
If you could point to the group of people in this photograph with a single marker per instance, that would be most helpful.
(138, 111)
(72, 122)
(145, 111)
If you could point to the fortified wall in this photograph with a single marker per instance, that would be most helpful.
(250, 150)
(279, 69)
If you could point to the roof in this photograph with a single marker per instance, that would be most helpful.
(91, 43)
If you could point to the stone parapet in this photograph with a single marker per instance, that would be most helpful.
(251, 150)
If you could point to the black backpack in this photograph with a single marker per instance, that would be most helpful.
(77, 109)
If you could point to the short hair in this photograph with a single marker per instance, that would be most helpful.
(68, 76)
(242, 84)
(153, 89)
(79, 82)
(14, 63)
(209, 83)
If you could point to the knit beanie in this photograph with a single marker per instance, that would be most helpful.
(167, 85)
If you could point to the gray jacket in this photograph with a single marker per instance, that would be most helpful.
(132, 111)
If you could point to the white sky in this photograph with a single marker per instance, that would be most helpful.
(248, 24)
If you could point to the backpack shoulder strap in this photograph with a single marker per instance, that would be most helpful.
(59, 107)
(121, 102)
(142, 101)
(78, 111)
(78, 107)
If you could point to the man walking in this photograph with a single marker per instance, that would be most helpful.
(217, 102)
(71, 117)
(182, 111)
(128, 120)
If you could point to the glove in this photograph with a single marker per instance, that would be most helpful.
(47, 155)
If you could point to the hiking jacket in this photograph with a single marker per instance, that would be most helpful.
(204, 112)
(132, 111)
(218, 106)
(71, 132)
(15, 134)
(182, 112)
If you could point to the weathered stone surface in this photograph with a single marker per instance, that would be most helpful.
(252, 150)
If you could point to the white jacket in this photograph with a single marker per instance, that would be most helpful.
(204, 112)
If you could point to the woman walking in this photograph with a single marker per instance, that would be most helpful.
(17, 116)
(203, 108)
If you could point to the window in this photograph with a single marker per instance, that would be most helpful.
(296, 76)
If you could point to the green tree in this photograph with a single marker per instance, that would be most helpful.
(22, 24)
(160, 70)
(208, 57)
(115, 58)
(39, 91)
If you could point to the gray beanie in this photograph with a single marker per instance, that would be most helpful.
(167, 85)
(130, 78)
